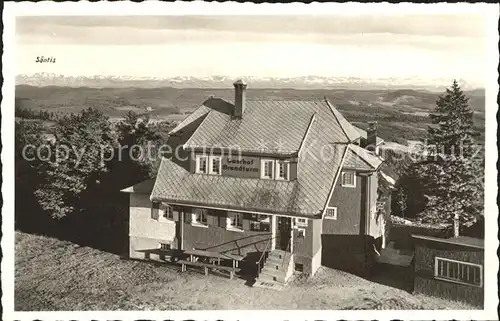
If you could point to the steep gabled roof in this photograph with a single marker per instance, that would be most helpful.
(362, 159)
(305, 196)
(311, 130)
(267, 125)
(197, 114)
(349, 130)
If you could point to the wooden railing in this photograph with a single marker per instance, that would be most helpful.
(263, 256)
(287, 248)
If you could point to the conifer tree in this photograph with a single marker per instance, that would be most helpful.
(452, 173)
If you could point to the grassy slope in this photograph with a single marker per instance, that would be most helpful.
(58, 275)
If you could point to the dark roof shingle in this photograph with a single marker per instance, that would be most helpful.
(267, 125)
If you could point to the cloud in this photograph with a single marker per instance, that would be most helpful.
(72, 35)
(363, 46)
(419, 25)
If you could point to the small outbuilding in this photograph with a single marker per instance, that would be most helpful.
(451, 268)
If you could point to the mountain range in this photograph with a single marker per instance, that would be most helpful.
(303, 82)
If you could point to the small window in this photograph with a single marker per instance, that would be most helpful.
(215, 165)
(282, 170)
(267, 169)
(202, 164)
(348, 179)
(235, 220)
(331, 213)
(301, 233)
(299, 267)
(301, 221)
(199, 216)
(458, 271)
(166, 212)
(165, 247)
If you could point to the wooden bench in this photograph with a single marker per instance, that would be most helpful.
(206, 266)
(229, 269)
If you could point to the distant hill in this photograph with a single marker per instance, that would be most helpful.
(302, 82)
(401, 114)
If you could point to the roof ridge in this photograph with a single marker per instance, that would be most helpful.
(361, 157)
(309, 126)
(336, 118)
(178, 126)
(197, 128)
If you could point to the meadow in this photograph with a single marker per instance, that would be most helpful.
(56, 275)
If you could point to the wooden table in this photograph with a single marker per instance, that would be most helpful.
(216, 255)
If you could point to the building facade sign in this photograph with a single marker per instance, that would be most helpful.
(243, 166)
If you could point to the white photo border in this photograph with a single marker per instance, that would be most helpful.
(11, 10)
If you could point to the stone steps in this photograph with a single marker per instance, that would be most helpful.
(274, 273)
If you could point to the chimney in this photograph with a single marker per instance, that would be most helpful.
(371, 136)
(240, 92)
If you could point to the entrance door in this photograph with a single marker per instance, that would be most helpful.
(283, 233)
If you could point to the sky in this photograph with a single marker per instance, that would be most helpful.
(369, 46)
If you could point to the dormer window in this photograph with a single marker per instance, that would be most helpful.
(201, 164)
(215, 165)
(267, 169)
(282, 170)
(275, 169)
(208, 165)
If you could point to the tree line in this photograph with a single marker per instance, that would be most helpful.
(27, 113)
